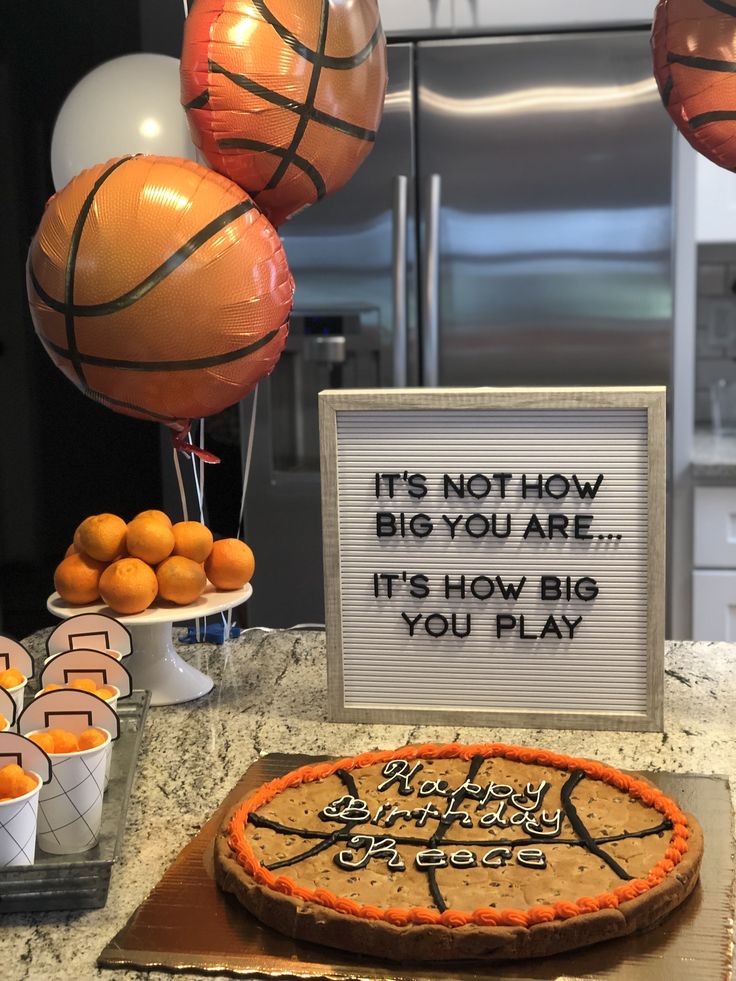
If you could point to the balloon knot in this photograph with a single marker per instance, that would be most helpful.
(181, 442)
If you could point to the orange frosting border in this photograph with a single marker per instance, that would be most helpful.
(483, 916)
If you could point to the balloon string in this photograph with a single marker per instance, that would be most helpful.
(246, 474)
(183, 497)
(197, 484)
(248, 457)
(202, 508)
(201, 466)
(200, 626)
(186, 8)
(180, 481)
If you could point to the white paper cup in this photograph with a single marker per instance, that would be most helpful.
(113, 703)
(116, 654)
(18, 819)
(18, 694)
(70, 805)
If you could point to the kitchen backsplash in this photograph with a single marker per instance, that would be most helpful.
(716, 324)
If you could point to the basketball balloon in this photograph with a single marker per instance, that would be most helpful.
(284, 96)
(159, 288)
(694, 50)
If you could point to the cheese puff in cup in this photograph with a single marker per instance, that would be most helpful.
(113, 653)
(14, 683)
(109, 692)
(20, 787)
(87, 672)
(70, 805)
(19, 793)
(8, 714)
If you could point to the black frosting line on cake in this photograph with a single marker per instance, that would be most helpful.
(437, 898)
(315, 850)
(348, 782)
(580, 829)
(284, 829)
(475, 764)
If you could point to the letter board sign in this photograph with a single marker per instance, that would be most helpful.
(495, 556)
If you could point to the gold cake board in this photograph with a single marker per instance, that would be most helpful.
(187, 925)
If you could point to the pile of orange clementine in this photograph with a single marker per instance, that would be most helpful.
(129, 565)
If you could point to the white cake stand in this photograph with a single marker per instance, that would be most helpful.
(154, 664)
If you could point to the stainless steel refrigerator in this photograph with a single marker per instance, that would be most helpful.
(513, 226)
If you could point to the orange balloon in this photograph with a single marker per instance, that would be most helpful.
(284, 96)
(158, 288)
(694, 53)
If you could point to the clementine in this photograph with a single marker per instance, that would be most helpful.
(192, 540)
(158, 515)
(77, 578)
(180, 580)
(76, 542)
(149, 539)
(230, 564)
(101, 536)
(128, 585)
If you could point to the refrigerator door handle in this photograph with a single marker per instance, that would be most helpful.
(400, 217)
(430, 283)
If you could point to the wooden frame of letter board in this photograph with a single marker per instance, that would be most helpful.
(356, 400)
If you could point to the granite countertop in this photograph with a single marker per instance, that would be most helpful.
(714, 458)
(270, 697)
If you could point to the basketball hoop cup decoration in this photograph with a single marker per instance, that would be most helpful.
(694, 53)
(159, 289)
(284, 97)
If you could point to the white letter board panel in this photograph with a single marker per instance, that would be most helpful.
(495, 565)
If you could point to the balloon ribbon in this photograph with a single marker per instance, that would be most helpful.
(180, 441)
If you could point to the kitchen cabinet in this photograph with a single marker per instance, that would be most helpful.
(714, 551)
(714, 604)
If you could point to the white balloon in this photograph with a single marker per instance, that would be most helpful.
(127, 105)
